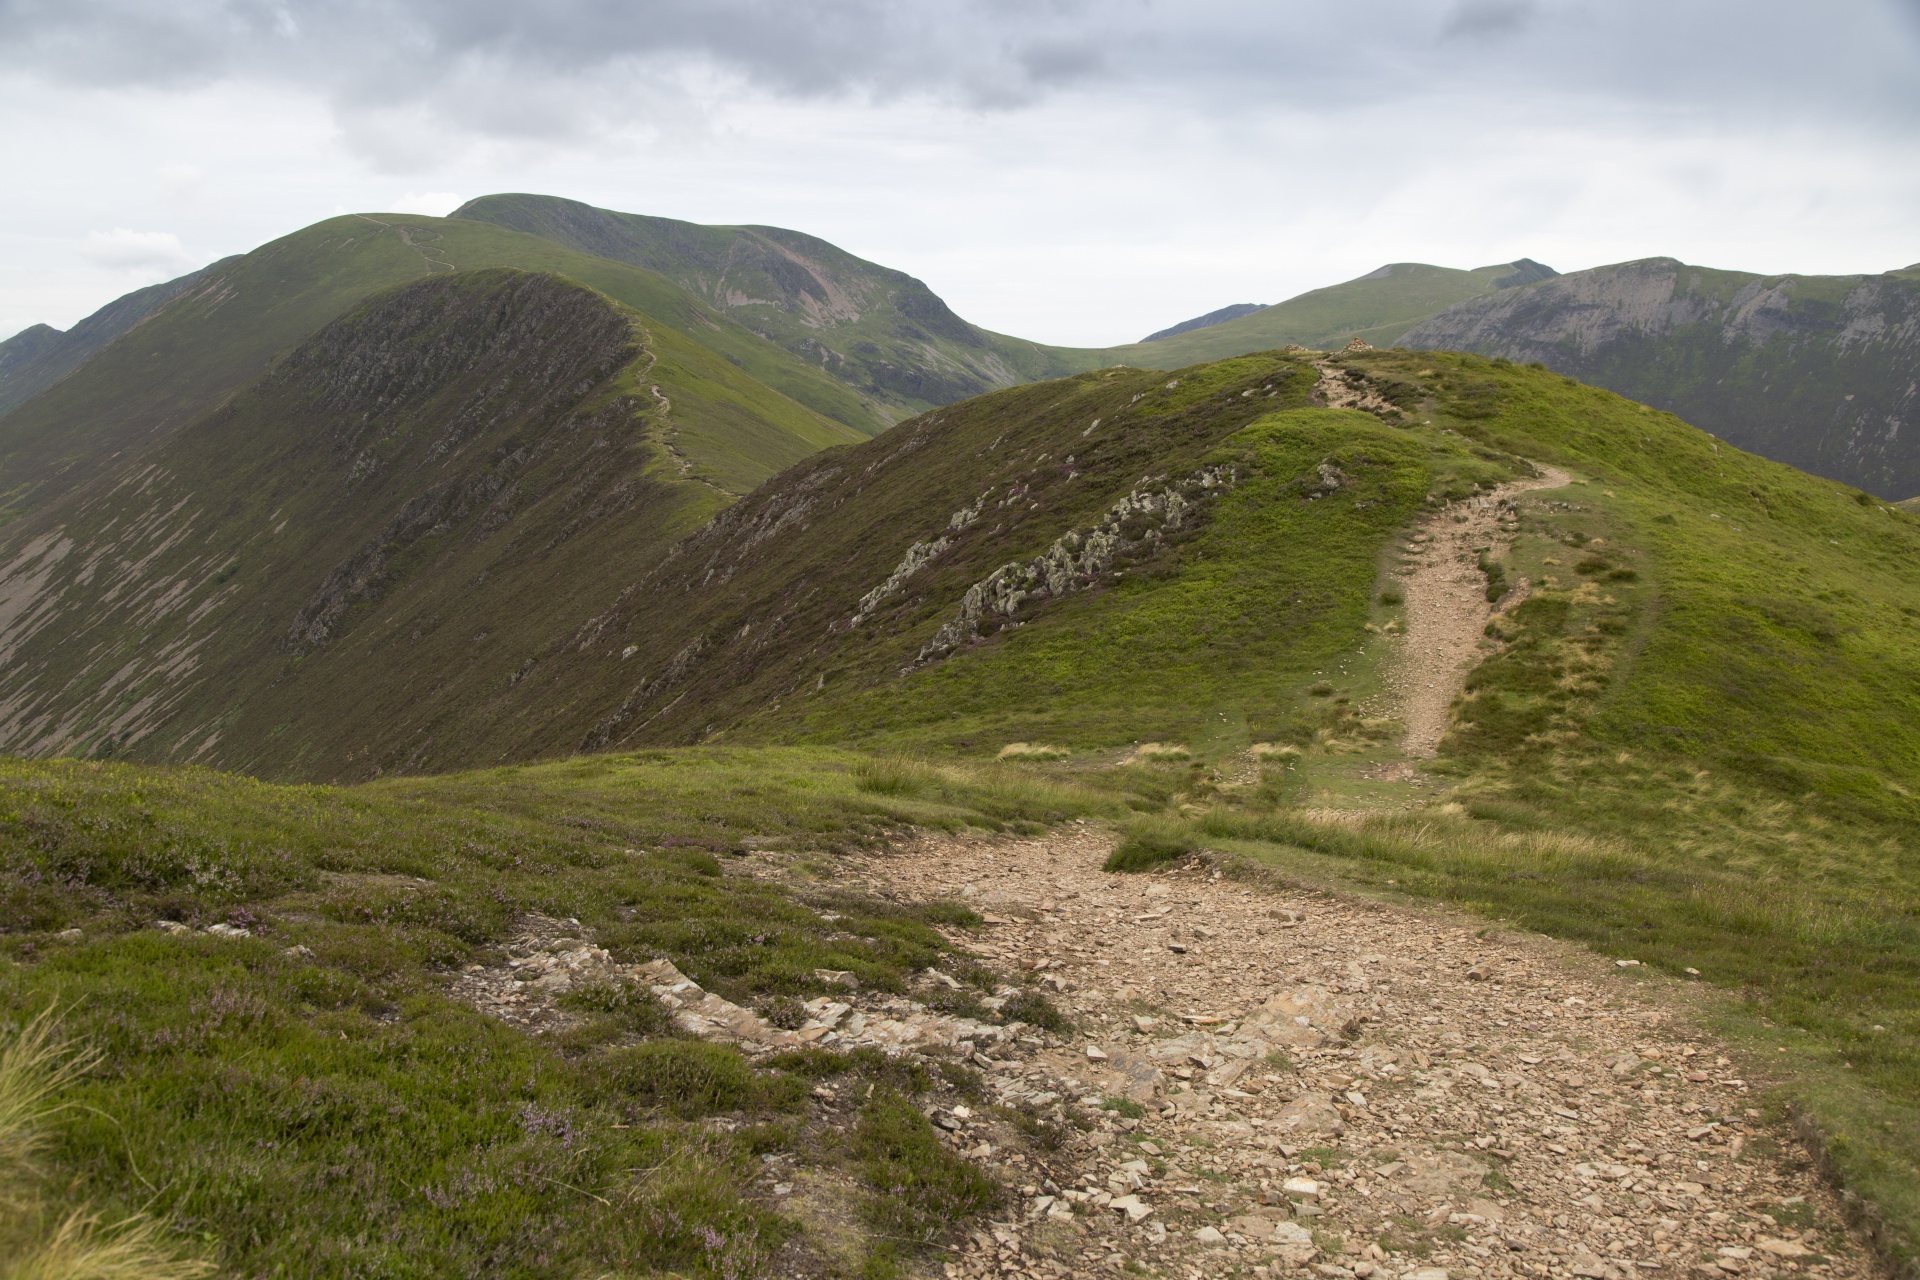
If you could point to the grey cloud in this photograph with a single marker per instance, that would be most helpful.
(506, 68)
(1488, 17)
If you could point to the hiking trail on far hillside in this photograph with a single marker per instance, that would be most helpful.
(1447, 605)
(1270, 1082)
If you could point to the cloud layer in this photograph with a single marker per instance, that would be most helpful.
(1079, 171)
(581, 68)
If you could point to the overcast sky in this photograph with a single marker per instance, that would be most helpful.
(1075, 171)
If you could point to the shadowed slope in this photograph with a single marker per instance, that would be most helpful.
(320, 569)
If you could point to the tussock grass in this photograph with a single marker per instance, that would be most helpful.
(1265, 751)
(1161, 753)
(1032, 751)
(37, 1066)
(1152, 841)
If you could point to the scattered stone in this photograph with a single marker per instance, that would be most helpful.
(1511, 1127)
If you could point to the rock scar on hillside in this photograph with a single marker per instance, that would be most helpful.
(1447, 608)
(1343, 1089)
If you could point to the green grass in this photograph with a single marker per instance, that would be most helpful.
(338, 1113)
(919, 1188)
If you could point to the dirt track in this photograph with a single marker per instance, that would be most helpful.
(1447, 607)
(1344, 1089)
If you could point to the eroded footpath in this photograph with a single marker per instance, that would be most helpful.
(1267, 1084)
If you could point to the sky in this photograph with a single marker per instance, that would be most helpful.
(1073, 171)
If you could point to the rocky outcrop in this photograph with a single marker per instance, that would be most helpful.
(1134, 526)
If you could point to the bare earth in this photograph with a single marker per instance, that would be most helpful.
(1340, 1088)
(1447, 607)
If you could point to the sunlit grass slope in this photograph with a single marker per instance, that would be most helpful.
(792, 616)
(1376, 308)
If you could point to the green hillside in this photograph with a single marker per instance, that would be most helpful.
(214, 337)
(40, 355)
(272, 1093)
(1375, 308)
(1816, 371)
(362, 545)
(1694, 743)
(879, 330)
(1701, 724)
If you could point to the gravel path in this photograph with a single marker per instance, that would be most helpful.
(1447, 607)
(1341, 1088)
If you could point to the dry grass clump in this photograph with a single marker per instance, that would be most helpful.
(1032, 751)
(1274, 751)
(1160, 753)
(35, 1065)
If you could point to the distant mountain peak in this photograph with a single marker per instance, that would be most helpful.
(1525, 271)
(1208, 320)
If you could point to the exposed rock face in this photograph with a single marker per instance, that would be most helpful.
(1134, 525)
(1816, 371)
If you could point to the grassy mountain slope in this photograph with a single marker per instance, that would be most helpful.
(362, 544)
(1816, 371)
(1749, 549)
(268, 1097)
(222, 332)
(1232, 311)
(39, 356)
(1377, 308)
(877, 329)
(1697, 742)
(752, 623)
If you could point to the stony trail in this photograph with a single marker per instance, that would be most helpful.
(1337, 1087)
(1447, 606)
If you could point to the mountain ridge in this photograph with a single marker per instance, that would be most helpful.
(211, 338)
(1815, 371)
(40, 355)
(878, 329)
(363, 527)
(1232, 311)
(1375, 308)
